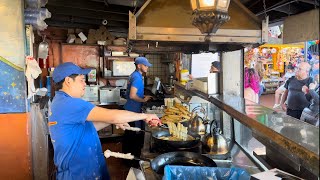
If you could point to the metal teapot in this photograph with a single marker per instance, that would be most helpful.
(197, 123)
(215, 142)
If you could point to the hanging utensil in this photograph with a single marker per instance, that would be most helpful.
(43, 49)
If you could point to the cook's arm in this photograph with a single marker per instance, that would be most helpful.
(113, 116)
(133, 95)
(101, 125)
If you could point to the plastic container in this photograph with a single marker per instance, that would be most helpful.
(172, 172)
(184, 76)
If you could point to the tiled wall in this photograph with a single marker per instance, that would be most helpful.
(158, 69)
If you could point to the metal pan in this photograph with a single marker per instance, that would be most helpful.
(168, 143)
(174, 144)
(172, 158)
(180, 158)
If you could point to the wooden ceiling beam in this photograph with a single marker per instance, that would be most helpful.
(83, 26)
(74, 19)
(289, 9)
(73, 11)
(90, 5)
(312, 2)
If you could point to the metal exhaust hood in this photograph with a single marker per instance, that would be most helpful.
(170, 24)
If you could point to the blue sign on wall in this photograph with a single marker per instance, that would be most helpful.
(12, 87)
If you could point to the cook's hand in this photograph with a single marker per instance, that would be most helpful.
(305, 89)
(147, 98)
(153, 120)
(284, 107)
(122, 126)
(313, 85)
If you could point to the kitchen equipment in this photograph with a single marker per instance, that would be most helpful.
(171, 158)
(171, 81)
(91, 93)
(169, 144)
(208, 85)
(197, 123)
(109, 95)
(215, 142)
(43, 49)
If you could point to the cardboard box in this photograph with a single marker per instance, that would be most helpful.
(78, 41)
(82, 37)
(71, 38)
(70, 31)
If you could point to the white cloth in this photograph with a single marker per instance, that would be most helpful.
(32, 72)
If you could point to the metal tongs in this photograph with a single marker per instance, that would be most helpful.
(139, 129)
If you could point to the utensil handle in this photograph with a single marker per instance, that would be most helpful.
(109, 153)
(163, 126)
(133, 129)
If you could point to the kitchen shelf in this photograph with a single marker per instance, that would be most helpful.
(117, 48)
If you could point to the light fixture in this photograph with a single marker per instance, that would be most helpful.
(209, 15)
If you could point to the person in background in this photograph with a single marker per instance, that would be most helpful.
(315, 67)
(133, 141)
(215, 67)
(311, 114)
(296, 100)
(278, 94)
(73, 125)
(258, 67)
(251, 85)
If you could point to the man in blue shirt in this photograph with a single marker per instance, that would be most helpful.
(73, 125)
(133, 141)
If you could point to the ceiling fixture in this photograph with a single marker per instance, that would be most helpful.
(209, 15)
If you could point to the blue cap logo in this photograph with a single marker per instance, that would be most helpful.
(142, 60)
(66, 69)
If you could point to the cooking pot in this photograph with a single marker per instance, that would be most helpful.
(215, 142)
(169, 144)
(197, 124)
(171, 158)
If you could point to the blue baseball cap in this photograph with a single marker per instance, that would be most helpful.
(142, 60)
(66, 69)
